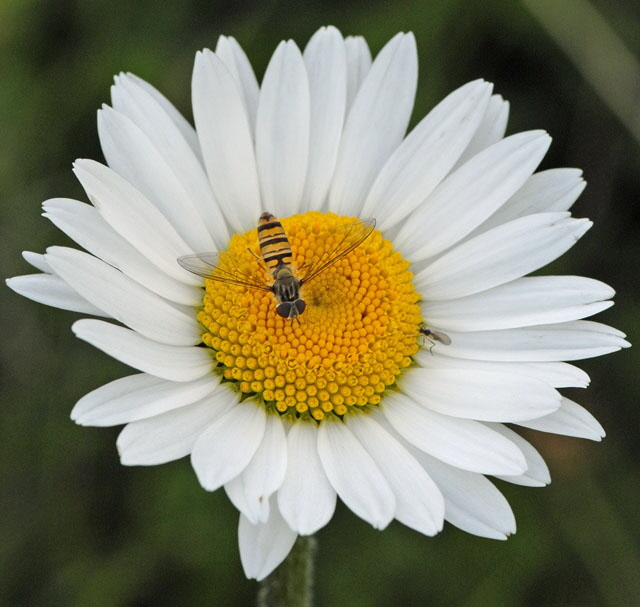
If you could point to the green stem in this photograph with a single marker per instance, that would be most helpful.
(291, 584)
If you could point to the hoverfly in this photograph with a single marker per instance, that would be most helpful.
(278, 260)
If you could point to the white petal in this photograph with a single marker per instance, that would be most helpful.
(376, 123)
(358, 65)
(563, 341)
(500, 255)
(526, 301)
(419, 503)
(480, 394)
(471, 194)
(427, 154)
(306, 498)
(137, 397)
(51, 290)
(550, 191)
(132, 216)
(472, 503)
(225, 448)
(462, 443)
(188, 132)
(37, 261)
(131, 154)
(235, 492)
(491, 128)
(225, 136)
(263, 475)
(132, 100)
(282, 131)
(124, 299)
(169, 362)
(265, 545)
(354, 474)
(555, 374)
(238, 64)
(571, 420)
(326, 62)
(537, 473)
(83, 223)
(171, 435)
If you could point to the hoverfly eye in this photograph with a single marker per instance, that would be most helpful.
(300, 305)
(284, 309)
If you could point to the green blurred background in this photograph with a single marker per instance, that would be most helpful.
(78, 529)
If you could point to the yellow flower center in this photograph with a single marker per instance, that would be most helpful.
(357, 333)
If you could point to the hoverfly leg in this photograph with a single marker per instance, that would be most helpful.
(259, 259)
(243, 313)
(254, 254)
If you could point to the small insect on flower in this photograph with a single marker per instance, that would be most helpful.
(278, 263)
(434, 336)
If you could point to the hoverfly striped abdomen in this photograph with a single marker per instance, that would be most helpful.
(274, 244)
(277, 256)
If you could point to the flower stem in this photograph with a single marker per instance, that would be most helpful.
(291, 584)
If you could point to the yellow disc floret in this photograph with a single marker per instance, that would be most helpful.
(356, 335)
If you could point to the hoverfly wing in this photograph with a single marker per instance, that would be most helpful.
(201, 264)
(223, 267)
(352, 235)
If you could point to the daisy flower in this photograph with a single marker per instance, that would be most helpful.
(417, 342)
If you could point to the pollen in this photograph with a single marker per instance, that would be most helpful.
(354, 339)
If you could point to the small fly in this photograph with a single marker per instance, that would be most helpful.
(435, 336)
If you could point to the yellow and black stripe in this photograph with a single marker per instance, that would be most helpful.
(274, 244)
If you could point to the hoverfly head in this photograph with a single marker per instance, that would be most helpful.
(291, 309)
